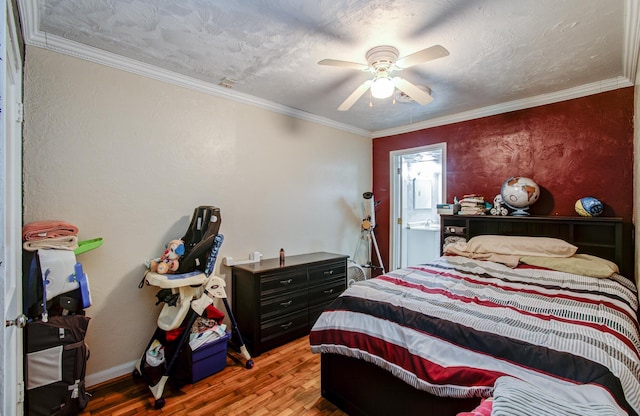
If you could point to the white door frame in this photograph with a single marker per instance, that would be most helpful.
(397, 239)
(11, 372)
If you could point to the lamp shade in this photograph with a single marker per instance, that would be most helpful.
(382, 87)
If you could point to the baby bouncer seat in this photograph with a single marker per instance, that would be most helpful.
(187, 294)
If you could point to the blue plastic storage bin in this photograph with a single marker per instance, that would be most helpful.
(209, 358)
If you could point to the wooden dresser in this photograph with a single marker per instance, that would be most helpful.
(275, 304)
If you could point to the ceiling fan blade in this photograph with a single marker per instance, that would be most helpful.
(344, 64)
(424, 55)
(355, 96)
(412, 91)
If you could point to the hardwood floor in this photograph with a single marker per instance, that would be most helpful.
(284, 381)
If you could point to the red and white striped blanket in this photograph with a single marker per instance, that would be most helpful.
(452, 327)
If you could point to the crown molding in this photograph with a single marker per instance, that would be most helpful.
(34, 37)
(555, 97)
(630, 60)
(29, 13)
(631, 42)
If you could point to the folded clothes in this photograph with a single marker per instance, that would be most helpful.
(60, 243)
(47, 229)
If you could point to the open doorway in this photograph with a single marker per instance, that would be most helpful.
(418, 184)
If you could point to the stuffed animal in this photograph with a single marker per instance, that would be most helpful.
(170, 259)
(498, 208)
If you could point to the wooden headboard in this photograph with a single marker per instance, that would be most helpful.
(609, 238)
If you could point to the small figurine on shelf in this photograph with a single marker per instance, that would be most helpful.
(498, 208)
(169, 262)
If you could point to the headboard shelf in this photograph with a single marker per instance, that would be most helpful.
(605, 237)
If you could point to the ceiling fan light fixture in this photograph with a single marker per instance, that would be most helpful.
(382, 87)
(382, 62)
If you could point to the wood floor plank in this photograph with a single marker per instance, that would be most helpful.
(284, 381)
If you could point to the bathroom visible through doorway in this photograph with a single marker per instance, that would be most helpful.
(418, 180)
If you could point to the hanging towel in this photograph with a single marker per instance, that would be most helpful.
(39, 230)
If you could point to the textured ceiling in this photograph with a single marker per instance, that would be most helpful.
(503, 53)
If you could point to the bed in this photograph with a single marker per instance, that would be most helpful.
(437, 338)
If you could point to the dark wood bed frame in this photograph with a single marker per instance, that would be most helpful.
(363, 389)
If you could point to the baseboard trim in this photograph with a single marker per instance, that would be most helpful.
(109, 374)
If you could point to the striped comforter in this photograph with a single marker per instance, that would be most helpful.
(452, 327)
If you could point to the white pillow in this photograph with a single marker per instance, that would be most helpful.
(519, 246)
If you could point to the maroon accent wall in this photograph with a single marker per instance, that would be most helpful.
(575, 148)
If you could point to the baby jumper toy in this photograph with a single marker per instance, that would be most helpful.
(192, 293)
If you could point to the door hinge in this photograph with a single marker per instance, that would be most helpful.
(399, 171)
(20, 392)
(20, 113)
(399, 221)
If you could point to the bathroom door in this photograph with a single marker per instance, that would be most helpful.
(418, 181)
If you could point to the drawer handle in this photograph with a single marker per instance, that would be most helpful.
(285, 282)
(328, 291)
(286, 326)
(328, 273)
(286, 304)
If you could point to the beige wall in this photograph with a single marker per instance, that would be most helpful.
(128, 158)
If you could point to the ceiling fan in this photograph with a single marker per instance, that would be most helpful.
(382, 62)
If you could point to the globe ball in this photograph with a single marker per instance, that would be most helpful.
(519, 192)
(589, 207)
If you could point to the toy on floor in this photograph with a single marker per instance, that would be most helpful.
(169, 262)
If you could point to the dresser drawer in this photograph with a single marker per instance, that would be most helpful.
(327, 292)
(275, 284)
(275, 302)
(292, 324)
(318, 274)
(281, 305)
